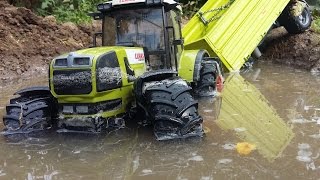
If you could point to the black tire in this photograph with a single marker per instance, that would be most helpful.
(172, 109)
(29, 113)
(206, 86)
(295, 24)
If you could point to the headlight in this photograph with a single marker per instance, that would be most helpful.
(82, 109)
(61, 63)
(67, 109)
(79, 61)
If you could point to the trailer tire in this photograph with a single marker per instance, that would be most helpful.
(29, 113)
(206, 86)
(172, 109)
(295, 24)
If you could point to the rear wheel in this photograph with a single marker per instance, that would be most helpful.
(28, 113)
(296, 17)
(206, 86)
(172, 109)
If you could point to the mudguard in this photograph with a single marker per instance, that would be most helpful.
(157, 75)
(34, 90)
(190, 64)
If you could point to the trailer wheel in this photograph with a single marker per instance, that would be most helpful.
(27, 114)
(172, 109)
(296, 21)
(206, 86)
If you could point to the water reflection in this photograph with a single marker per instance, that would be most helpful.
(246, 111)
(133, 153)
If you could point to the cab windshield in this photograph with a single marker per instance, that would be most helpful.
(135, 27)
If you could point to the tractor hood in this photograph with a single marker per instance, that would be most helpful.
(87, 57)
(90, 52)
(87, 75)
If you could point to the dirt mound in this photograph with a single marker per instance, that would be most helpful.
(300, 51)
(29, 42)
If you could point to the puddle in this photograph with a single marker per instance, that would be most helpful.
(274, 108)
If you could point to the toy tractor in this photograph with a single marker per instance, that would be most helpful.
(144, 66)
(136, 67)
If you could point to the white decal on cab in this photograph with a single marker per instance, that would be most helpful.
(135, 56)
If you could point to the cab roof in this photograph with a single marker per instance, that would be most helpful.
(109, 5)
(122, 2)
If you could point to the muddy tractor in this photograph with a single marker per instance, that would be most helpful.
(141, 65)
(148, 68)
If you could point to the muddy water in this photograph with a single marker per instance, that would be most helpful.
(274, 108)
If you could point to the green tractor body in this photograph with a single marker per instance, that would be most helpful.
(95, 83)
(140, 73)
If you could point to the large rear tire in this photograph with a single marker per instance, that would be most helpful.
(29, 112)
(296, 17)
(172, 109)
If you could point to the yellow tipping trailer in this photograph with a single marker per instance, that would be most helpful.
(232, 29)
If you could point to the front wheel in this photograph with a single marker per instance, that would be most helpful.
(172, 109)
(296, 17)
(29, 112)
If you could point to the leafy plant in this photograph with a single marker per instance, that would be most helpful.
(68, 10)
(76, 10)
(192, 7)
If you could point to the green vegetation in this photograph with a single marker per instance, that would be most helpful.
(64, 10)
(191, 7)
(316, 15)
(316, 21)
(76, 10)
(68, 10)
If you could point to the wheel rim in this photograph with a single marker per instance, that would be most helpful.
(304, 18)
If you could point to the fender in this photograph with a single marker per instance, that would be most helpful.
(157, 75)
(190, 64)
(34, 90)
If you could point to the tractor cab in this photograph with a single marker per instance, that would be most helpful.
(153, 25)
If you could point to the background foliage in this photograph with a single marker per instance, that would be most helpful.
(77, 10)
(64, 10)
(191, 7)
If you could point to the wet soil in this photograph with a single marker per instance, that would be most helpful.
(29, 42)
(301, 51)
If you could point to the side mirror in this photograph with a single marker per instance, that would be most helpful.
(176, 41)
(96, 15)
(94, 43)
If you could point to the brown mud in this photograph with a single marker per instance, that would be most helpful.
(28, 42)
(301, 51)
